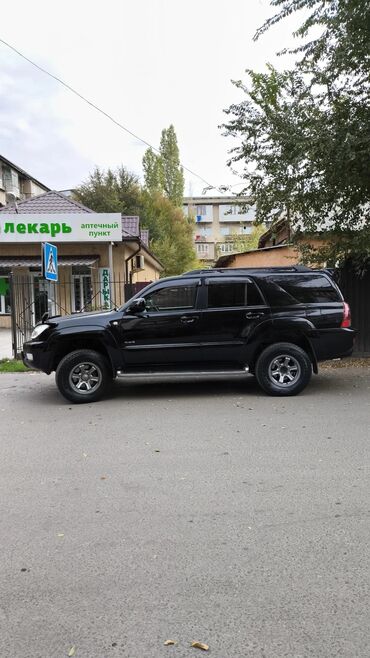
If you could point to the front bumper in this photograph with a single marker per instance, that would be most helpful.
(36, 356)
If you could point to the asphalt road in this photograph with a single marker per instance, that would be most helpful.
(199, 511)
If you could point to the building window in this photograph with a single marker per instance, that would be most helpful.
(204, 232)
(202, 248)
(245, 229)
(225, 230)
(11, 181)
(231, 209)
(226, 247)
(4, 295)
(201, 210)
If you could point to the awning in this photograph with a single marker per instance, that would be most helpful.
(35, 261)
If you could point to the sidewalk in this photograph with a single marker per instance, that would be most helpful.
(5, 344)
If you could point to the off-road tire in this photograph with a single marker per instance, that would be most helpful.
(283, 369)
(68, 376)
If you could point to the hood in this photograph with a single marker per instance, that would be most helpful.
(91, 317)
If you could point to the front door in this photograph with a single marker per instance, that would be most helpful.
(166, 334)
(233, 308)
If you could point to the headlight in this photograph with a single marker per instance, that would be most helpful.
(38, 330)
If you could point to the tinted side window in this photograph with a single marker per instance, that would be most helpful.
(253, 295)
(276, 295)
(308, 289)
(232, 294)
(171, 299)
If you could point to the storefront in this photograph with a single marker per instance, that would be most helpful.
(99, 260)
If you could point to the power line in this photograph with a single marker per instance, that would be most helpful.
(98, 109)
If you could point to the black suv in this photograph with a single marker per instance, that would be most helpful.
(274, 323)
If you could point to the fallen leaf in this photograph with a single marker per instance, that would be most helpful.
(72, 651)
(200, 645)
(157, 451)
(169, 642)
(60, 534)
(103, 477)
(84, 454)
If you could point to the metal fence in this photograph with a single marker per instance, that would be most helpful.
(31, 297)
(356, 291)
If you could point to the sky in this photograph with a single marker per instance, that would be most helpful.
(148, 63)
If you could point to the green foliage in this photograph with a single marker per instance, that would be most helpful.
(163, 172)
(341, 45)
(111, 191)
(153, 174)
(169, 231)
(304, 134)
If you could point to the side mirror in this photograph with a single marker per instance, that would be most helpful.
(137, 306)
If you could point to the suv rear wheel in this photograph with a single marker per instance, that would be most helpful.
(283, 369)
(83, 376)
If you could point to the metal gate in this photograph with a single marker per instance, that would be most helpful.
(31, 297)
(356, 291)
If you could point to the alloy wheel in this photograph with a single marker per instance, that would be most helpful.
(85, 378)
(284, 370)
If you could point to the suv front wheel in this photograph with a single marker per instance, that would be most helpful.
(283, 369)
(83, 376)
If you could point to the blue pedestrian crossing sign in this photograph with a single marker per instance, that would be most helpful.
(50, 262)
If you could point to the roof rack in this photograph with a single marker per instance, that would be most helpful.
(242, 270)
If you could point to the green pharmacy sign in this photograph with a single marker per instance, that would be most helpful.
(4, 287)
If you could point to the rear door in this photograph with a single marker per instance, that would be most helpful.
(233, 308)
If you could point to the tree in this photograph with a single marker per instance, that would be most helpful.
(170, 232)
(305, 133)
(341, 48)
(111, 191)
(163, 172)
(173, 175)
(153, 174)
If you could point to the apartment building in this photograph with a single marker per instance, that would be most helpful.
(16, 184)
(217, 221)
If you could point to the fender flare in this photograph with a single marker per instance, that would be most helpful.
(81, 333)
(296, 331)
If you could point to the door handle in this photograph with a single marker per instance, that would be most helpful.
(253, 316)
(186, 320)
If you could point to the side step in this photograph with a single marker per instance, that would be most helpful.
(165, 374)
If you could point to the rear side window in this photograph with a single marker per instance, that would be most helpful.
(228, 294)
(305, 289)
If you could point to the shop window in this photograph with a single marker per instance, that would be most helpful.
(82, 293)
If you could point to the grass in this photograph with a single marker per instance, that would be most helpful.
(12, 365)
